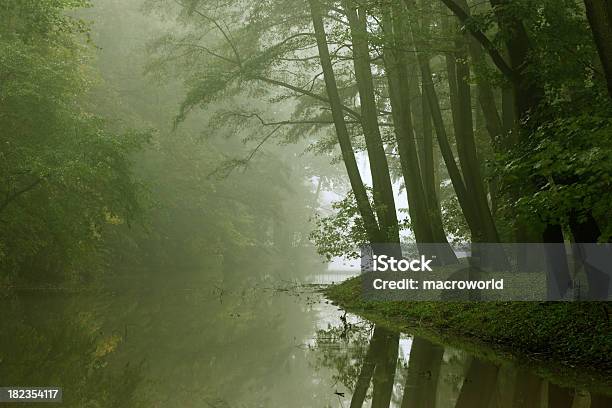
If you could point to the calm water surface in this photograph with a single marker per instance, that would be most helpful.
(260, 344)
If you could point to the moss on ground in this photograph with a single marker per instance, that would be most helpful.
(572, 334)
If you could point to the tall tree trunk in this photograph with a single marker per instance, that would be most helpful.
(436, 158)
(465, 201)
(486, 96)
(599, 13)
(428, 162)
(405, 140)
(344, 140)
(527, 95)
(381, 179)
(461, 104)
(468, 186)
(426, 220)
(425, 146)
(424, 136)
(422, 114)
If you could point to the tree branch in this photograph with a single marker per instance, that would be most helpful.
(305, 92)
(221, 29)
(12, 197)
(229, 165)
(207, 50)
(493, 52)
(292, 122)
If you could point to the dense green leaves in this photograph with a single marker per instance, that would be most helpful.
(64, 177)
(569, 161)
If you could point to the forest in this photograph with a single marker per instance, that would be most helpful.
(184, 185)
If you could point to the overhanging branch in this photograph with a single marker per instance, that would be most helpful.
(305, 92)
(493, 52)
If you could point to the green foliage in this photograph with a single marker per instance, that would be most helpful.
(569, 161)
(454, 222)
(340, 234)
(343, 233)
(64, 177)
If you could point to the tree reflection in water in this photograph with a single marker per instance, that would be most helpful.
(386, 369)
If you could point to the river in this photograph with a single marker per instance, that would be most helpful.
(263, 344)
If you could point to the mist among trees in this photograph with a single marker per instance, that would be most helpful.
(242, 143)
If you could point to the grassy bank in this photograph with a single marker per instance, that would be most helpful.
(575, 335)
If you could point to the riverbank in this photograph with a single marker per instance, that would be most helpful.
(575, 335)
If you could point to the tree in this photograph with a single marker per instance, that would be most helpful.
(381, 179)
(424, 208)
(66, 178)
(599, 13)
(375, 233)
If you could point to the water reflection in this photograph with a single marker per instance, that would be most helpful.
(263, 344)
(412, 372)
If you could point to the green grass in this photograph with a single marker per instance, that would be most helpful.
(566, 334)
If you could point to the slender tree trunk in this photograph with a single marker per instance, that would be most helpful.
(416, 102)
(405, 140)
(436, 157)
(344, 140)
(424, 136)
(426, 220)
(461, 104)
(486, 96)
(445, 148)
(423, 124)
(465, 201)
(383, 191)
(425, 146)
(428, 164)
(423, 127)
(599, 13)
(527, 95)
